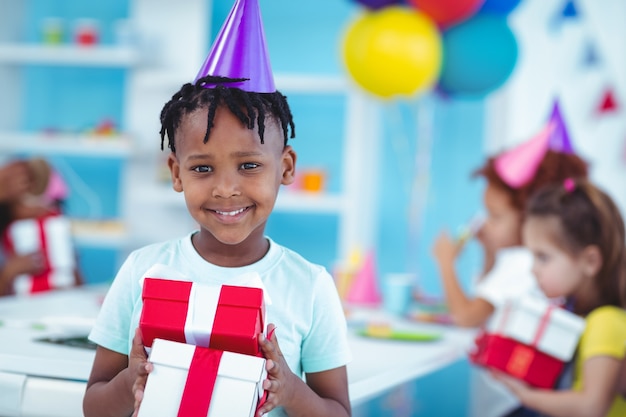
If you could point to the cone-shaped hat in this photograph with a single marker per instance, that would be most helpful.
(559, 138)
(364, 288)
(518, 166)
(240, 51)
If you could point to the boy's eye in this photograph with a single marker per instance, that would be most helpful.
(203, 168)
(249, 165)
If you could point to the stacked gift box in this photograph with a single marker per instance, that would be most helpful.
(530, 339)
(203, 343)
(51, 236)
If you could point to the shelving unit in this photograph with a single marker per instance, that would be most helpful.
(66, 55)
(152, 75)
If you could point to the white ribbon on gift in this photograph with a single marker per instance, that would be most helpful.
(25, 236)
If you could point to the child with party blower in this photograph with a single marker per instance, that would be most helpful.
(227, 133)
(576, 235)
(511, 177)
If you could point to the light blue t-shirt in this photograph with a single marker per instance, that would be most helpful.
(306, 309)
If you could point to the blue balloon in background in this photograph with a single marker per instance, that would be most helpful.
(499, 7)
(378, 4)
(479, 55)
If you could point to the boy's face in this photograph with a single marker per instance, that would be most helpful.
(502, 227)
(231, 182)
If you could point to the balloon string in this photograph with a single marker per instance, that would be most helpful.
(421, 180)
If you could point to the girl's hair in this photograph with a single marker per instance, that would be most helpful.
(247, 106)
(588, 216)
(554, 168)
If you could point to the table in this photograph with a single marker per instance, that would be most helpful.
(45, 380)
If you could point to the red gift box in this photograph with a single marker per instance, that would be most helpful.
(223, 317)
(50, 235)
(530, 340)
(191, 381)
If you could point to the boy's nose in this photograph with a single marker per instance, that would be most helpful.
(226, 186)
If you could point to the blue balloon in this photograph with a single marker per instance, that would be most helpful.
(499, 7)
(378, 4)
(479, 55)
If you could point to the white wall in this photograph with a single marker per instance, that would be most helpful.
(551, 64)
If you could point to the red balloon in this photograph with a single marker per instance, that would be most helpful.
(448, 12)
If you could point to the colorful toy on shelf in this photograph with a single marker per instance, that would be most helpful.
(86, 32)
(105, 128)
(386, 331)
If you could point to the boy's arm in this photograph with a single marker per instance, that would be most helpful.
(600, 377)
(324, 393)
(114, 382)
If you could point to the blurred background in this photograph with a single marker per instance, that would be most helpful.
(387, 134)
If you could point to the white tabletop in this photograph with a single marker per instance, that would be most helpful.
(378, 365)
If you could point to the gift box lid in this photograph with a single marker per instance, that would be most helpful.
(233, 365)
(536, 322)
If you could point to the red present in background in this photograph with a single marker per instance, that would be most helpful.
(530, 340)
(191, 381)
(50, 235)
(223, 317)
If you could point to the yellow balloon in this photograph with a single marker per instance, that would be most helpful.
(393, 51)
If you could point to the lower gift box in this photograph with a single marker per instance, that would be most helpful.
(190, 381)
(516, 359)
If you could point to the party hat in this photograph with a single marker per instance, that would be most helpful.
(364, 288)
(517, 166)
(240, 51)
(559, 138)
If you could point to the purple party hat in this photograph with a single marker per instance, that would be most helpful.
(559, 138)
(239, 51)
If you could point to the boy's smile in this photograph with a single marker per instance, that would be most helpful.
(230, 183)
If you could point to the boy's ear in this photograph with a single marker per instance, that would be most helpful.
(592, 260)
(174, 167)
(288, 165)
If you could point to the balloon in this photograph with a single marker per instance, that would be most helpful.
(478, 56)
(448, 12)
(377, 4)
(499, 7)
(393, 51)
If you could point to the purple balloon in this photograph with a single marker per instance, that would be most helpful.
(378, 4)
(499, 7)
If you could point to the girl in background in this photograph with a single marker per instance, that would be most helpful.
(507, 263)
(576, 235)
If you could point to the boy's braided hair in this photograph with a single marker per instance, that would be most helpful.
(246, 106)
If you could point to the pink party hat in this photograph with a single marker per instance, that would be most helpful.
(559, 138)
(240, 51)
(518, 166)
(364, 288)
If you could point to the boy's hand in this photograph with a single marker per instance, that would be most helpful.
(279, 383)
(139, 367)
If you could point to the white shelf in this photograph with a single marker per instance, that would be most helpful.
(40, 54)
(107, 234)
(82, 145)
(309, 202)
(287, 201)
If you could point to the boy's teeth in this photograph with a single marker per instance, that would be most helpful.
(230, 213)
